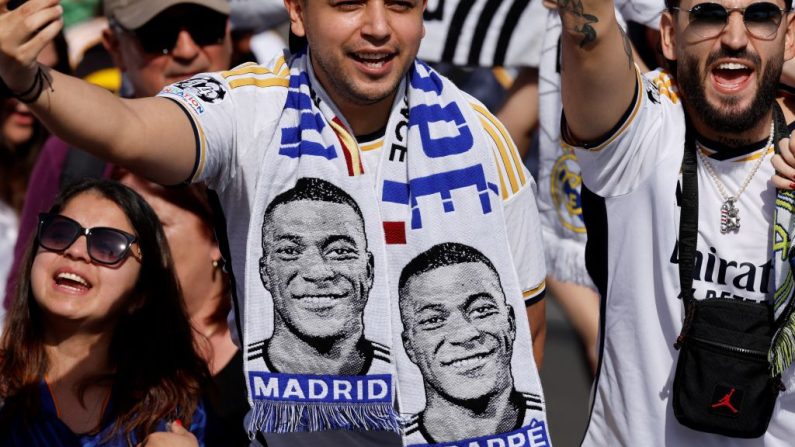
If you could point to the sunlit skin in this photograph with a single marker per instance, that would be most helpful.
(728, 91)
(318, 270)
(459, 331)
(95, 305)
(360, 51)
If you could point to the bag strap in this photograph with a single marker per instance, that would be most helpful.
(688, 220)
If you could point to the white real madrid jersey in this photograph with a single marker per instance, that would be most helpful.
(632, 213)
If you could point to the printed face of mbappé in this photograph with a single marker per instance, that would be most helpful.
(459, 330)
(317, 268)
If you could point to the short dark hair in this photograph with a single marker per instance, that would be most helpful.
(314, 189)
(448, 253)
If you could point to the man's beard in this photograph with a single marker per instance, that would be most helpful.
(726, 117)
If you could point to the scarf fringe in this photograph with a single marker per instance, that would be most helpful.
(783, 347)
(565, 260)
(287, 417)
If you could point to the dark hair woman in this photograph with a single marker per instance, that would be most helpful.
(97, 349)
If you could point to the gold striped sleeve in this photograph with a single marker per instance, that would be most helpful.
(507, 158)
(251, 74)
(201, 140)
(638, 101)
(535, 294)
(247, 68)
(503, 190)
(257, 82)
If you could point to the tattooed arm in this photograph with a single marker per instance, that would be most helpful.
(597, 68)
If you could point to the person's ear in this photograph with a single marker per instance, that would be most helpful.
(789, 39)
(295, 8)
(112, 44)
(668, 35)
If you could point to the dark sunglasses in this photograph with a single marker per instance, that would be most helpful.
(708, 20)
(159, 35)
(105, 245)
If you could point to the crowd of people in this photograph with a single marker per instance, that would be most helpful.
(236, 223)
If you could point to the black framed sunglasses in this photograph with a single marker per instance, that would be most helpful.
(159, 35)
(105, 245)
(707, 20)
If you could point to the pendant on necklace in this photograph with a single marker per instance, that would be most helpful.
(729, 216)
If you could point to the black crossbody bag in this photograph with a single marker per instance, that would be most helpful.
(722, 383)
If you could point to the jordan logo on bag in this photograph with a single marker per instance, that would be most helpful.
(726, 400)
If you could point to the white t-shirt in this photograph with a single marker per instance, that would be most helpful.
(634, 215)
(235, 115)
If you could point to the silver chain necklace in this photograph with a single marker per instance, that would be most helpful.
(729, 214)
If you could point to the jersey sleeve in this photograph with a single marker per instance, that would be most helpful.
(207, 101)
(517, 189)
(230, 111)
(625, 157)
(524, 236)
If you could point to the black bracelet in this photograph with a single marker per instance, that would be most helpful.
(32, 94)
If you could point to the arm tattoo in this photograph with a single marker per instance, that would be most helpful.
(582, 21)
(627, 48)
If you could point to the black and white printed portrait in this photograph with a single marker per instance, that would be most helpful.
(319, 272)
(459, 331)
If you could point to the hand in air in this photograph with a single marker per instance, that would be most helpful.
(784, 164)
(24, 32)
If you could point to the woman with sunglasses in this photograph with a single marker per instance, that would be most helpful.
(98, 350)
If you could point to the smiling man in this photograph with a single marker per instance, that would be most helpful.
(459, 331)
(689, 146)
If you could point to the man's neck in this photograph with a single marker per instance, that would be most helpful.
(364, 119)
(367, 119)
(498, 414)
(761, 131)
(288, 352)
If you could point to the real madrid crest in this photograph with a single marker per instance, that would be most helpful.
(565, 182)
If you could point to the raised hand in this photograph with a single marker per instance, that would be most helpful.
(24, 32)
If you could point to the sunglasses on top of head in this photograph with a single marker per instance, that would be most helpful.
(105, 245)
(159, 35)
(707, 20)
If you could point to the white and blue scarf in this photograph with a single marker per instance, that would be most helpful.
(435, 193)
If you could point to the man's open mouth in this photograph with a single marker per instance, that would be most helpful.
(373, 60)
(731, 76)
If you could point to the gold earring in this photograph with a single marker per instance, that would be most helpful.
(215, 263)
